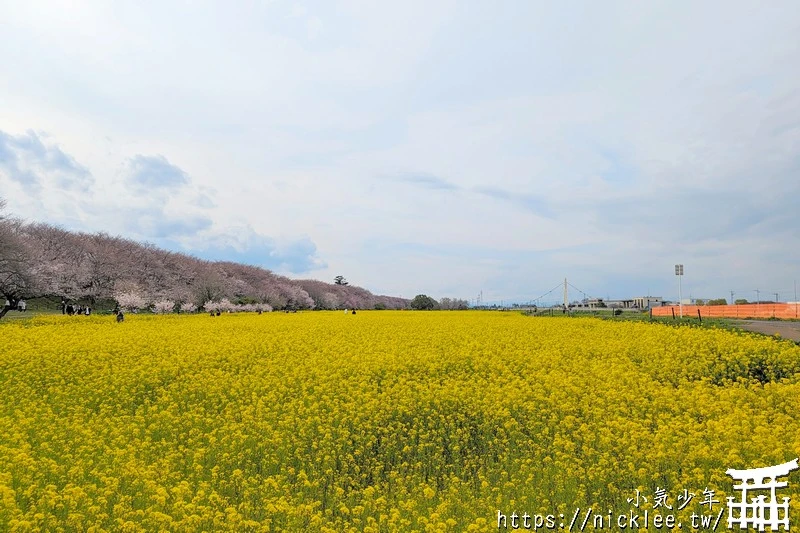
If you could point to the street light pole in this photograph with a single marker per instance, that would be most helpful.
(679, 273)
(758, 302)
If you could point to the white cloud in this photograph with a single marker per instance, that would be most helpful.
(154, 173)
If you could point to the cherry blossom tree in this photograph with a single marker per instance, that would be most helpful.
(211, 306)
(225, 305)
(453, 304)
(58, 257)
(130, 300)
(163, 306)
(43, 260)
(18, 277)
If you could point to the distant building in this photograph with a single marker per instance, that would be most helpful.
(593, 303)
(646, 302)
(600, 303)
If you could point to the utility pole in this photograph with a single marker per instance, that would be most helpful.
(566, 300)
(731, 297)
(776, 296)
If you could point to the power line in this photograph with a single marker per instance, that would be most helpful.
(550, 291)
(581, 291)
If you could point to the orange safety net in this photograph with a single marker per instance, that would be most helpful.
(777, 310)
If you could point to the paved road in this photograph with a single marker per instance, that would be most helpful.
(787, 330)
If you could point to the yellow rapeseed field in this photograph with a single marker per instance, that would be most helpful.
(380, 421)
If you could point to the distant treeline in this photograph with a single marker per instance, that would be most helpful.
(39, 260)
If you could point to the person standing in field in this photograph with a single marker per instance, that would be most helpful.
(63, 306)
(120, 317)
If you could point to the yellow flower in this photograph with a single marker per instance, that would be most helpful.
(399, 421)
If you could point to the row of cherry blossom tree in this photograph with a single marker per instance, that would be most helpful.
(38, 260)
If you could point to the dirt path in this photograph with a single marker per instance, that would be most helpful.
(787, 330)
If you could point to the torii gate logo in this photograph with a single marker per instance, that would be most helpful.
(759, 512)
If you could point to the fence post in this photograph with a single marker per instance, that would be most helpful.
(700, 318)
(673, 313)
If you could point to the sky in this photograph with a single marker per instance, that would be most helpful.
(445, 148)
